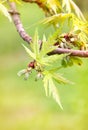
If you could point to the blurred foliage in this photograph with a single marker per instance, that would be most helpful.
(83, 6)
(23, 105)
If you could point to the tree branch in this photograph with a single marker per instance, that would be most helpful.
(79, 53)
(16, 19)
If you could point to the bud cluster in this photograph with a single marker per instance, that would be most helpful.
(26, 72)
(69, 41)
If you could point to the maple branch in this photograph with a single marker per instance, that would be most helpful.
(17, 22)
(79, 53)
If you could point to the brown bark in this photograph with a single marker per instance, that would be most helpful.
(17, 22)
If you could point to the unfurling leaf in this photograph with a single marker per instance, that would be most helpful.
(21, 72)
(77, 11)
(54, 5)
(70, 6)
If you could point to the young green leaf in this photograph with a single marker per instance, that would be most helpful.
(36, 45)
(4, 10)
(46, 84)
(50, 60)
(77, 11)
(54, 93)
(47, 45)
(31, 54)
(57, 18)
(70, 6)
(66, 4)
(54, 5)
(59, 79)
(50, 88)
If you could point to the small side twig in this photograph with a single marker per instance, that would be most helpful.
(38, 2)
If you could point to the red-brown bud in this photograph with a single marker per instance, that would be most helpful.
(31, 64)
(66, 37)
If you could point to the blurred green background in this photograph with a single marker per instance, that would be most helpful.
(23, 104)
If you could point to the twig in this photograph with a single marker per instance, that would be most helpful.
(18, 24)
(79, 53)
(38, 2)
